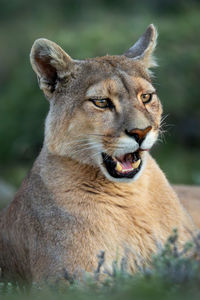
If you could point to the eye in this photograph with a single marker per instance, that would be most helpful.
(103, 103)
(146, 98)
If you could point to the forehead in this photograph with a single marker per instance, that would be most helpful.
(120, 84)
(113, 64)
(113, 73)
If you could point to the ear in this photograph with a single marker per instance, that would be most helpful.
(50, 63)
(143, 49)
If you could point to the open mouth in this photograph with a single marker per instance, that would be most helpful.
(125, 166)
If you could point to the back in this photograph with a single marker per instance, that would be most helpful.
(190, 198)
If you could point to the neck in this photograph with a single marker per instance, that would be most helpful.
(64, 175)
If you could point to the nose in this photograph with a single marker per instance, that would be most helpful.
(138, 134)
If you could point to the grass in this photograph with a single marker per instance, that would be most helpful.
(174, 274)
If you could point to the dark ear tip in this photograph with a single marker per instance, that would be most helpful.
(151, 26)
(152, 31)
(34, 49)
(38, 44)
(144, 47)
(39, 41)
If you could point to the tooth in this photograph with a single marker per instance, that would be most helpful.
(118, 167)
(136, 164)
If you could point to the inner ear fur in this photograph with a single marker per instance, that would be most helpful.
(143, 49)
(50, 62)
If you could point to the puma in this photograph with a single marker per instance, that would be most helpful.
(94, 186)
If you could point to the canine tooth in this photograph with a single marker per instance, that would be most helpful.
(118, 167)
(136, 164)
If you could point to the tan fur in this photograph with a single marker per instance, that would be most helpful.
(190, 198)
(68, 208)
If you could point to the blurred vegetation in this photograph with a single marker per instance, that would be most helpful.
(173, 274)
(93, 28)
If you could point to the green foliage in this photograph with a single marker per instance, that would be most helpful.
(91, 28)
(173, 274)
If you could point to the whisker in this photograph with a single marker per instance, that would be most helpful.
(87, 146)
(77, 142)
(162, 136)
(106, 155)
(102, 135)
(82, 144)
(84, 149)
(164, 118)
(95, 154)
(163, 128)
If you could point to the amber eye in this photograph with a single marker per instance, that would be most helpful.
(103, 103)
(146, 98)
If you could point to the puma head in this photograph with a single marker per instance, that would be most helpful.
(104, 111)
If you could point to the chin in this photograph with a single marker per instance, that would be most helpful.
(126, 168)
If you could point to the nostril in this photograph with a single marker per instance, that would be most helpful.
(134, 135)
(138, 134)
(137, 137)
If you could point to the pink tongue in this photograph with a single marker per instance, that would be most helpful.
(126, 165)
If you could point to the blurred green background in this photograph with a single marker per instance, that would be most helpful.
(93, 28)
